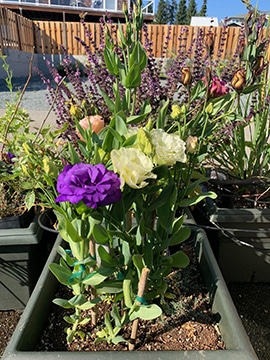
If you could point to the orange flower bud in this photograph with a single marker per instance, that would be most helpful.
(268, 53)
(186, 76)
(241, 47)
(258, 66)
(209, 42)
(96, 121)
(239, 80)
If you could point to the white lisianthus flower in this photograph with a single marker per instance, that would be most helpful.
(133, 167)
(169, 148)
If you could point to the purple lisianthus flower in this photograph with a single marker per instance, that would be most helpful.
(94, 185)
(10, 156)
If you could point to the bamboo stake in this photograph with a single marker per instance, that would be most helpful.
(141, 289)
(94, 313)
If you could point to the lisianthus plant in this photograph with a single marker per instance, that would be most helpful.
(132, 148)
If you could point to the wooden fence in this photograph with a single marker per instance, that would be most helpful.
(16, 32)
(47, 37)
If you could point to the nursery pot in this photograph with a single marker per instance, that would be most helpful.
(23, 253)
(243, 243)
(28, 331)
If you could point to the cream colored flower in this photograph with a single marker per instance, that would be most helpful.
(133, 166)
(169, 148)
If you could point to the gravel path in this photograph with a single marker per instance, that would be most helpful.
(34, 97)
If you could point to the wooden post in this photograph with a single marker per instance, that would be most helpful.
(141, 289)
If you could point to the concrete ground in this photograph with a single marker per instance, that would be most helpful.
(38, 116)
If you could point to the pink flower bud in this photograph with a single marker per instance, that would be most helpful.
(96, 121)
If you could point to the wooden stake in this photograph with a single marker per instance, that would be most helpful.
(92, 252)
(141, 289)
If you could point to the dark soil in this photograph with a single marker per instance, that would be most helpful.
(187, 322)
(252, 301)
(8, 322)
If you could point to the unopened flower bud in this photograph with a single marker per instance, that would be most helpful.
(209, 108)
(124, 8)
(268, 53)
(192, 144)
(95, 121)
(239, 80)
(186, 76)
(144, 141)
(258, 66)
(209, 42)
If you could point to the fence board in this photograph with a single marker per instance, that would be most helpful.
(47, 37)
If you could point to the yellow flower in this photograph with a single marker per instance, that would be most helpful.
(75, 111)
(176, 111)
(133, 166)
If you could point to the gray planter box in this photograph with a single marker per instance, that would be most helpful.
(23, 342)
(244, 257)
(22, 258)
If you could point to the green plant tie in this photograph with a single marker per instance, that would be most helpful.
(120, 276)
(77, 273)
(141, 300)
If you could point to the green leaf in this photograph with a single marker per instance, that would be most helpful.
(61, 273)
(179, 236)
(94, 278)
(146, 312)
(135, 119)
(162, 115)
(251, 88)
(106, 259)
(138, 57)
(111, 60)
(30, 199)
(100, 234)
(162, 199)
(109, 102)
(110, 287)
(63, 303)
(180, 259)
(89, 304)
(196, 199)
(133, 78)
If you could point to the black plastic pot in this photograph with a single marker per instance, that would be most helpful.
(243, 249)
(23, 253)
(20, 221)
(27, 333)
